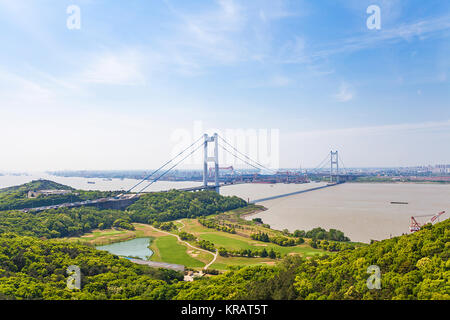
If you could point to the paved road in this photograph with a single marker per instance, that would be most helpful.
(213, 260)
(190, 245)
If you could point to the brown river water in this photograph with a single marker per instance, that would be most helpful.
(362, 210)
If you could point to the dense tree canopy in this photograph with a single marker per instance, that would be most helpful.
(322, 234)
(61, 222)
(17, 197)
(172, 205)
(37, 269)
(412, 267)
(155, 208)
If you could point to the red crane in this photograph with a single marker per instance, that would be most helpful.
(415, 226)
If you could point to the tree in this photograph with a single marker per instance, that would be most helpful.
(223, 252)
(264, 253)
(272, 254)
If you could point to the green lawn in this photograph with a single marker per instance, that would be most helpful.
(96, 234)
(225, 263)
(170, 251)
(236, 242)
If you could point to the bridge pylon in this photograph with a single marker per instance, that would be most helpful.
(334, 165)
(215, 159)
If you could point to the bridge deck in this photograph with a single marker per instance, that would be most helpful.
(293, 193)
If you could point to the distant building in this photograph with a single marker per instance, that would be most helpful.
(35, 194)
(441, 169)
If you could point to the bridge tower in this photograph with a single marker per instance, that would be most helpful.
(215, 159)
(334, 160)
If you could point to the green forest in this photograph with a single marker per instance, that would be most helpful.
(412, 266)
(152, 208)
(17, 197)
(173, 205)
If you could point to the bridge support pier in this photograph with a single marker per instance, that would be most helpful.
(334, 160)
(215, 159)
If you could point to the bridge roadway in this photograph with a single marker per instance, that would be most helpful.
(117, 202)
(294, 193)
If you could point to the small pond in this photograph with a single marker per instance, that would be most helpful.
(131, 248)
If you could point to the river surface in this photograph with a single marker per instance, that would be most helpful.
(131, 248)
(100, 184)
(362, 210)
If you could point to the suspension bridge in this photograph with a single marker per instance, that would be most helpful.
(335, 173)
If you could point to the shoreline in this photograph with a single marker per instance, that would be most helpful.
(402, 182)
(254, 212)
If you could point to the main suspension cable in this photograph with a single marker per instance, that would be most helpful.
(256, 162)
(167, 171)
(237, 157)
(160, 168)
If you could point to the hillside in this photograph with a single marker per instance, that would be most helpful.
(35, 269)
(412, 267)
(34, 185)
(16, 197)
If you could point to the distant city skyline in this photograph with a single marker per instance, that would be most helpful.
(111, 94)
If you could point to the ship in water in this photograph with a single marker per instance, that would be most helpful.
(91, 182)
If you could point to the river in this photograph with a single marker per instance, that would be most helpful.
(362, 210)
(100, 184)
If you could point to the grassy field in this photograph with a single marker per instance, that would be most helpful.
(236, 242)
(225, 263)
(171, 251)
(243, 241)
(167, 248)
(108, 236)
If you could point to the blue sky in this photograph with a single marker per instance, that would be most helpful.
(111, 94)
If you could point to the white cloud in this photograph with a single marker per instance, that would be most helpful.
(280, 81)
(123, 68)
(16, 90)
(346, 93)
(404, 32)
(230, 33)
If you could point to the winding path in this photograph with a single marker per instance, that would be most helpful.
(190, 245)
